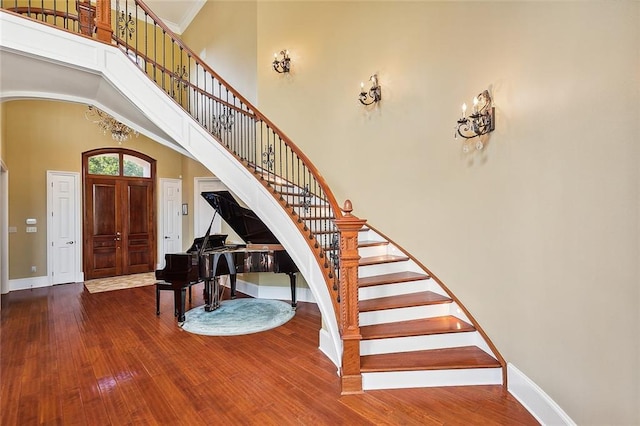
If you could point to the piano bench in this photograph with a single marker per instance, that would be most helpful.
(163, 285)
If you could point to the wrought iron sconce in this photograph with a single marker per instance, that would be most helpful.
(480, 122)
(373, 95)
(281, 65)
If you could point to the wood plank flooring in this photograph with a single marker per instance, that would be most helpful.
(69, 357)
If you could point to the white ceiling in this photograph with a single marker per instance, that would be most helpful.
(177, 14)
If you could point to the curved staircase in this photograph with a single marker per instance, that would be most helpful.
(414, 332)
(409, 330)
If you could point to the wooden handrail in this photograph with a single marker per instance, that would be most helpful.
(190, 53)
(157, 65)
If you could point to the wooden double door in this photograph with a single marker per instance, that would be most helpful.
(119, 226)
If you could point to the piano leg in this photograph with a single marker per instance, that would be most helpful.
(232, 279)
(181, 301)
(207, 295)
(216, 292)
(157, 299)
(292, 280)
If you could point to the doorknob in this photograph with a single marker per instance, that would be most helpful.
(117, 238)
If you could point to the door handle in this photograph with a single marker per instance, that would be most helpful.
(70, 242)
(166, 238)
(117, 238)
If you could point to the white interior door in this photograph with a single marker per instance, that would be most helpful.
(203, 212)
(170, 218)
(63, 227)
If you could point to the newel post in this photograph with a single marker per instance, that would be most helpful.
(86, 15)
(349, 225)
(103, 21)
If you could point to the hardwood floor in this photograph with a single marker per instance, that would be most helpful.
(69, 357)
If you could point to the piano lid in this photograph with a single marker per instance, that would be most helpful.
(242, 220)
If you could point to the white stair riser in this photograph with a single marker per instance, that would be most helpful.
(404, 314)
(394, 289)
(385, 268)
(418, 343)
(432, 378)
(372, 251)
(369, 234)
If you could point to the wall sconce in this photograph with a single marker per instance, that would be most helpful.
(480, 122)
(374, 94)
(281, 65)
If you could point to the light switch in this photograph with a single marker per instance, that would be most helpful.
(32, 228)
(13, 229)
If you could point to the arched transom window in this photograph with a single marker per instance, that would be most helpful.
(119, 162)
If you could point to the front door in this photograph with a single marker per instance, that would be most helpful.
(119, 213)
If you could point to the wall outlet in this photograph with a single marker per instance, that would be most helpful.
(33, 269)
(32, 228)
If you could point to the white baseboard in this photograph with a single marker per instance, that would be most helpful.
(29, 283)
(272, 292)
(535, 400)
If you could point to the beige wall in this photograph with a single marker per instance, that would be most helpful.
(3, 140)
(537, 234)
(224, 35)
(47, 135)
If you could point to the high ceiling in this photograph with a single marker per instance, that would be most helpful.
(177, 14)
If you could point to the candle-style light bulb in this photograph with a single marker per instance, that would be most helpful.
(475, 104)
(362, 86)
(464, 109)
(275, 56)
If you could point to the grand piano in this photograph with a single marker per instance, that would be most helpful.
(210, 257)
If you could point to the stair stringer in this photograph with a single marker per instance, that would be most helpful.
(80, 69)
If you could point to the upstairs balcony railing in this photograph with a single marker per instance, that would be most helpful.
(245, 132)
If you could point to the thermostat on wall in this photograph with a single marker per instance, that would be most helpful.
(31, 221)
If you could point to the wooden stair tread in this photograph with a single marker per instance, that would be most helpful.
(402, 301)
(434, 359)
(387, 258)
(372, 243)
(419, 327)
(396, 277)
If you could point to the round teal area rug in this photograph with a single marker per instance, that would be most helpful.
(238, 316)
